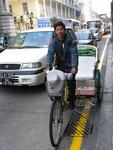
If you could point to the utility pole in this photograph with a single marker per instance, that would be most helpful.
(112, 18)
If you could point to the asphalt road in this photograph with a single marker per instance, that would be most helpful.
(24, 117)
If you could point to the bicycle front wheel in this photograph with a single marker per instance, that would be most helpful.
(56, 122)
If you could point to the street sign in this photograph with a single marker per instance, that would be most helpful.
(43, 22)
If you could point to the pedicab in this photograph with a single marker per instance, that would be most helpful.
(88, 85)
(87, 91)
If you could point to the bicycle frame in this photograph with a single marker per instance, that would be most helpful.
(66, 89)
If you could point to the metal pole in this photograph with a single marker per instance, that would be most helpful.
(51, 8)
(56, 9)
(112, 19)
(112, 31)
(61, 11)
(44, 5)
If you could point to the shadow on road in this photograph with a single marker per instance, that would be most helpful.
(24, 89)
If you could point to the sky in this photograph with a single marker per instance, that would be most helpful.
(102, 6)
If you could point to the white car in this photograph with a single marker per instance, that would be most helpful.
(86, 37)
(24, 61)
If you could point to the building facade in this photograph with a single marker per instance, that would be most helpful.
(86, 10)
(26, 12)
(6, 19)
(77, 9)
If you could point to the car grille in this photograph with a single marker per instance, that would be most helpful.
(10, 66)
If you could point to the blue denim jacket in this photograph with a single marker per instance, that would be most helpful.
(69, 58)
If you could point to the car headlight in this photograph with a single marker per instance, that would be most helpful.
(37, 65)
(31, 65)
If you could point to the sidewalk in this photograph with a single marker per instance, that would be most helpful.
(102, 137)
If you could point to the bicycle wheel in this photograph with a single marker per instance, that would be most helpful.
(56, 122)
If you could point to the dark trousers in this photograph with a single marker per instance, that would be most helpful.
(72, 88)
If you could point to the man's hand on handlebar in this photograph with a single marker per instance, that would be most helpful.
(47, 69)
(74, 70)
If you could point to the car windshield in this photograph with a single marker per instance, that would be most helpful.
(94, 30)
(1, 39)
(82, 35)
(38, 39)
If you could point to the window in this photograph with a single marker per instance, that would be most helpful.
(25, 8)
(27, 26)
(10, 8)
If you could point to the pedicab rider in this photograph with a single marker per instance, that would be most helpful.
(64, 47)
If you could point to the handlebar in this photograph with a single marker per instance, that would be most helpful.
(67, 75)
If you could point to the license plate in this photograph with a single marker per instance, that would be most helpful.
(7, 82)
(6, 75)
(6, 78)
